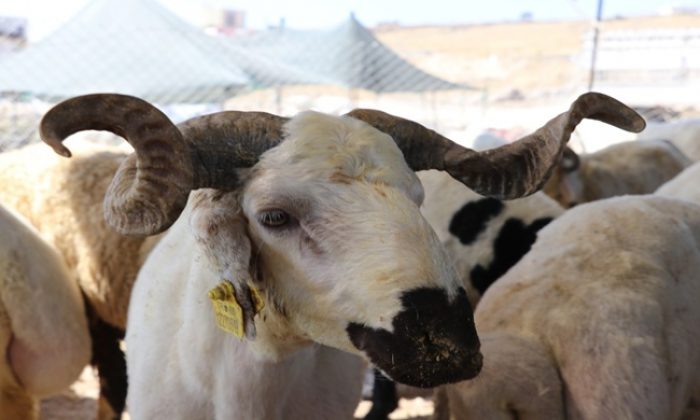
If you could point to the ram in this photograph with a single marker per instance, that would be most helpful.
(483, 236)
(634, 167)
(303, 233)
(598, 321)
(44, 341)
(62, 199)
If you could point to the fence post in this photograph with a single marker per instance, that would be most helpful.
(594, 52)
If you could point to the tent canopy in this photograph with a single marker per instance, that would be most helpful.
(138, 47)
(347, 55)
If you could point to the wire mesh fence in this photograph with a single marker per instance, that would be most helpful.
(140, 48)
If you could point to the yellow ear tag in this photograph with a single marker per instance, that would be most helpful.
(227, 310)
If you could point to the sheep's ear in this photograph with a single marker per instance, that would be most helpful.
(220, 230)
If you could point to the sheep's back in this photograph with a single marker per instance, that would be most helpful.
(606, 284)
(685, 186)
(62, 198)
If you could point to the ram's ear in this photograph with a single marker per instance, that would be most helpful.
(220, 229)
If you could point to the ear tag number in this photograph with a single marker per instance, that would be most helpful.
(228, 312)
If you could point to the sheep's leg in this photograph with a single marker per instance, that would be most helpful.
(628, 383)
(108, 358)
(15, 403)
(692, 411)
(442, 404)
(384, 397)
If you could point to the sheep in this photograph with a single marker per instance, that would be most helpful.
(487, 140)
(483, 236)
(684, 134)
(62, 199)
(635, 167)
(684, 185)
(305, 235)
(598, 321)
(44, 341)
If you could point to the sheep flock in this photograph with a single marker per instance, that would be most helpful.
(244, 265)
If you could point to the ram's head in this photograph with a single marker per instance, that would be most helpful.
(321, 214)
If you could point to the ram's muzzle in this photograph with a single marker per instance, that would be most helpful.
(433, 342)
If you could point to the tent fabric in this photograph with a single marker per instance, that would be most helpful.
(348, 55)
(138, 47)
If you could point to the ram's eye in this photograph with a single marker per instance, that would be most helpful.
(273, 218)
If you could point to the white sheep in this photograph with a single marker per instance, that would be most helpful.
(684, 134)
(598, 321)
(44, 341)
(303, 233)
(684, 185)
(634, 167)
(62, 199)
(483, 236)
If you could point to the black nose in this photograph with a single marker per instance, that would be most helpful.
(434, 341)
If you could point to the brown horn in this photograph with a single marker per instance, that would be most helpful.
(227, 140)
(151, 187)
(149, 191)
(510, 171)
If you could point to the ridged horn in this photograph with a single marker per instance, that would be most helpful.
(510, 171)
(151, 187)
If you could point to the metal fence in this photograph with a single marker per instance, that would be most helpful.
(140, 48)
(650, 66)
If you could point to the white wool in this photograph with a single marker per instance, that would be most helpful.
(684, 134)
(685, 185)
(44, 341)
(605, 307)
(633, 167)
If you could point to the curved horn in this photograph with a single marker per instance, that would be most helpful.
(511, 171)
(227, 140)
(149, 190)
(151, 187)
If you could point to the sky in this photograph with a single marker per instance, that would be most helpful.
(47, 15)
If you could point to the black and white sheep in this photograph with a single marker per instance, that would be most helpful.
(307, 235)
(598, 321)
(44, 341)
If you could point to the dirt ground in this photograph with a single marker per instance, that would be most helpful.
(527, 57)
(80, 403)
(77, 403)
